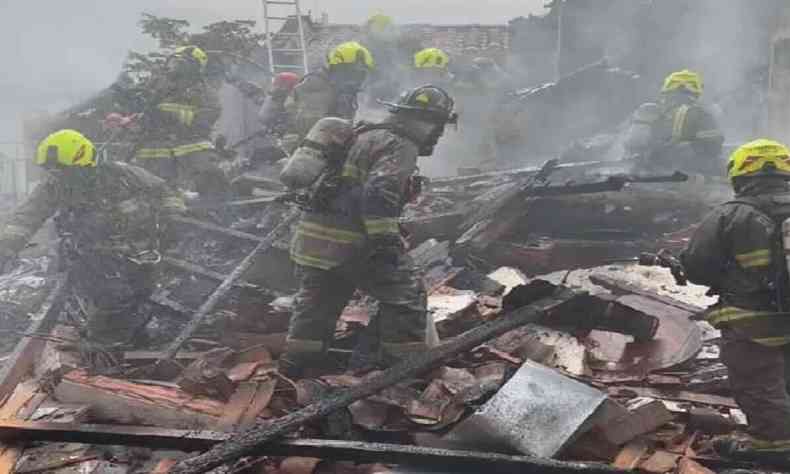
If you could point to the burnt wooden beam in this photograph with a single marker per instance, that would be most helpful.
(262, 202)
(361, 452)
(208, 226)
(252, 442)
(434, 226)
(518, 173)
(180, 310)
(153, 356)
(28, 351)
(220, 292)
(121, 401)
(267, 183)
(202, 271)
(620, 287)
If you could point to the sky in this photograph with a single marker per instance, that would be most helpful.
(57, 52)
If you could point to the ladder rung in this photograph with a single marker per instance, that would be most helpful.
(288, 66)
(279, 18)
(285, 50)
(286, 34)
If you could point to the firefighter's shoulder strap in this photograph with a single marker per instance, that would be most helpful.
(777, 208)
(365, 127)
(341, 152)
(774, 206)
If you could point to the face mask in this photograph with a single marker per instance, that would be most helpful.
(348, 78)
(428, 147)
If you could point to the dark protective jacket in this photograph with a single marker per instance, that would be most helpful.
(318, 96)
(274, 114)
(112, 211)
(180, 123)
(682, 134)
(737, 252)
(363, 208)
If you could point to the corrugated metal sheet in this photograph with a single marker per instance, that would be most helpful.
(516, 418)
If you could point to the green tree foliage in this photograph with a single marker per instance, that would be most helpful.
(226, 42)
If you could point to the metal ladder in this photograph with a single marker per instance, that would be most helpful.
(275, 14)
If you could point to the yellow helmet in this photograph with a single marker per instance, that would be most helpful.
(193, 52)
(431, 58)
(66, 148)
(379, 23)
(685, 79)
(351, 53)
(761, 157)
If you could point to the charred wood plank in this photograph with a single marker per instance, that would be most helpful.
(252, 441)
(260, 202)
(676, 395)
(435, 226)
(502, 214)
(620, 287)
(121, 401)
(213, 300)
(272, 269)
(603, 312)
(27, 352)
(262, 181)
(200, 270)
(208, 226)
(518, 173)
(274, 343)
(184, 440)
(180, 310)
(142, 357)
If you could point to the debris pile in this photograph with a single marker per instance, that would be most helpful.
(616, 375)
(556, 341)
(597, 369)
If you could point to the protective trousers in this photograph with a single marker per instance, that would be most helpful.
(758, 378)
(112, 289)
(323, 295)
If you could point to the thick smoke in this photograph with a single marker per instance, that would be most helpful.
(56, 54)
(60, 54)
(728, 42)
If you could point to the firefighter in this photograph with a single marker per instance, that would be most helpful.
(350, 238)
(175, 136)
(109, 218)
(677, 132)
(738, 253)
(431, 66)
(332, 91)
(276, 118)
(381, 37)
(273, 113)
(499, 142)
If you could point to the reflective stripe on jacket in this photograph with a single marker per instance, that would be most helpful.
(149, 153)
(366, 210)
(768, 328)
(736, 251)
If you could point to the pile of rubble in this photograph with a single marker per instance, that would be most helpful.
(598, 366)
